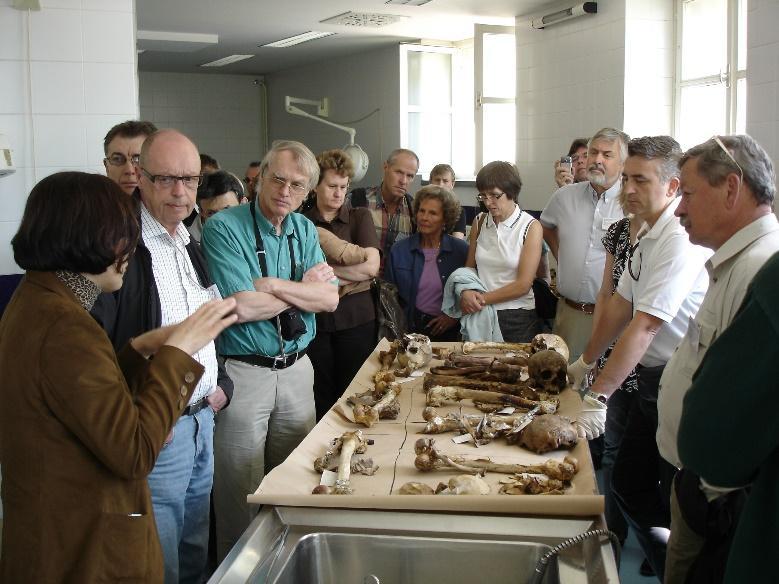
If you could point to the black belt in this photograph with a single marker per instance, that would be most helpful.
(274, 363)
(194, 408)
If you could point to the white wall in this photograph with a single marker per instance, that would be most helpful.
(356, 85)
(68, 74)
(220, 113)
(763, 75)
(570, 83)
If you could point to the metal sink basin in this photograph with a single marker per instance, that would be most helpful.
(339, 558)
(286, 545)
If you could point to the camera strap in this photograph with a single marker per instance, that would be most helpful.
(260, 250)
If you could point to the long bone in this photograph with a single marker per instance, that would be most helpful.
(369, 415)
(492, 347)
(520, 389)
(440, 394)
(430, 458)
(350, 443)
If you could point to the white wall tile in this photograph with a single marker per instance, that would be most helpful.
(14, 93)
(108, 5)
(13, 33)
(14, 189)
(60, 141)
(55, 35)
(109, 37)
(7, 230)
(70, 4)
(57, 88)
(110, 88)
(18, 129)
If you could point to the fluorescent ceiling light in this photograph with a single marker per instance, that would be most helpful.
(408, 2)
(226, 60)
(297, 39)
(369, 19)
(174, 42)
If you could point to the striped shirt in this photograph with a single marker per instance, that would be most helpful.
(180, 292)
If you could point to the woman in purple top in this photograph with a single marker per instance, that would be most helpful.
(419, 265)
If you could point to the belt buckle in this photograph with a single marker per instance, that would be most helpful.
(276, 359)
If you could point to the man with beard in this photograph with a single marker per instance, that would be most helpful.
(574, 222)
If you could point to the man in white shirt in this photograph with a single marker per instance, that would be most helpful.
(728, 187)
(574, 223)
(166, 281)
(659, 292)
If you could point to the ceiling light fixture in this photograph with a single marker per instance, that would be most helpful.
(368, 19)
(226, 60)
(562, 15)
(407, 2)
(297, 39)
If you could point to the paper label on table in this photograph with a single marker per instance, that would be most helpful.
(462, 439)
(506, 411)
(328, 478)
(417, 373)
(404, 379)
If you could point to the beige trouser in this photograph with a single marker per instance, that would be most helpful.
(684, 545)
(270, 414)
(574, 326)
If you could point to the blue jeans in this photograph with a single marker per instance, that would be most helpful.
(180, 487)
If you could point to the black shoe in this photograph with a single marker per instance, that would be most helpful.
(646, 568)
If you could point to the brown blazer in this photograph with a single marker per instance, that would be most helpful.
(75, 447)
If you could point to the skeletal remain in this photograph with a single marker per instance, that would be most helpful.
(461, 360)
(548, 371)
(440, 394)
(547, 432)
(494, 371)
(387, 358)
(528, 484)
(466, 485)
(442, 352)
(521, 389)
(492, 347)
(415, 351)
(369, 415)
(483, 428)
(430, 458)
(545, 341)
(415, 488)
(348, 444)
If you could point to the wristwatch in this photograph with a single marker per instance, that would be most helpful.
(597, 397)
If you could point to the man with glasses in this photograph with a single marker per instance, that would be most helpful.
(122, 147)
(166, 281)
(268, 258)
(728, 188)
(656, 298)
(578, 173)
(574, 223)
(390, 203)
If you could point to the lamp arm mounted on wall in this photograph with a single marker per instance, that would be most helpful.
(358, 156)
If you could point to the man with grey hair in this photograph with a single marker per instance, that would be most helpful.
(574, 223)
(390, 202)
(268, 258)
(657, 296)
(728, 187)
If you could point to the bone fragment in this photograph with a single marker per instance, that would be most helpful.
(466, 485)
(440, 394)
(368, 416)
(544, 341)
(415, 488)
(492, 347)
(520, 389)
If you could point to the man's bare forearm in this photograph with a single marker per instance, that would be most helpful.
(307, 296)
(253, 306)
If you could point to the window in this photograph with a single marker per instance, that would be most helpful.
(711, 70)
(436, 120)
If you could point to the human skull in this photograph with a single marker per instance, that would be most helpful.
(548, 370)
(415, 352)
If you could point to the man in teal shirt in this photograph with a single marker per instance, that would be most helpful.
(268, 258)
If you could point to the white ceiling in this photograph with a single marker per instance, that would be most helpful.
(242, 25)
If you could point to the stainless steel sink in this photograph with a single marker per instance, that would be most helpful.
(300, 545)
(341, 558)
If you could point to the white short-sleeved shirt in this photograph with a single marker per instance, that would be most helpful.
(497, 255)
(582, 219)
(671, 282)
(179, 290)
(731, 269)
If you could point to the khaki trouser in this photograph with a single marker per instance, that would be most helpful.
(270, 414)
(684, 545)
(574, 326)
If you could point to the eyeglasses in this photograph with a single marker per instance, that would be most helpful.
(295, 188)
(481, 197)
(117, 159)
(637, 274)
(166, 181)
(729, 155)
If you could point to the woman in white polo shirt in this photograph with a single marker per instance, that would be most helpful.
(505, 249)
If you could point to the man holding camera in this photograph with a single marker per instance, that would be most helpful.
(268, 258)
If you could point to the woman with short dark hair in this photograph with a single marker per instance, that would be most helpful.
(81, 426)
(420, 265)
(505, 249)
